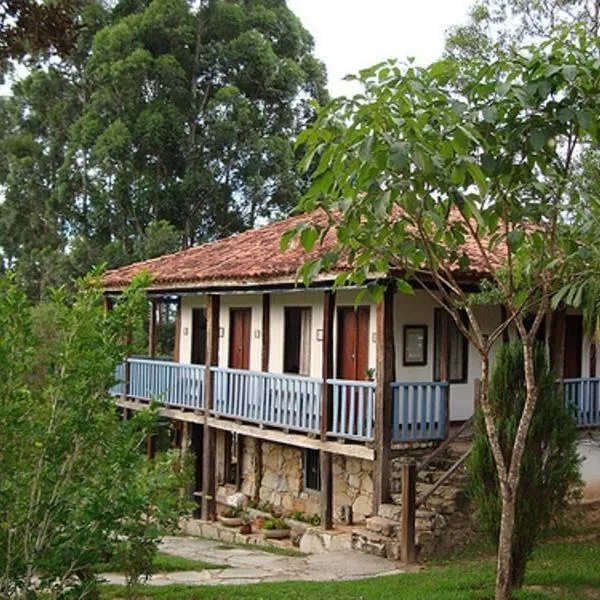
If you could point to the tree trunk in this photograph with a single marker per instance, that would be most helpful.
(504, 579)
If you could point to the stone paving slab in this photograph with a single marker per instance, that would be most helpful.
(255, 566)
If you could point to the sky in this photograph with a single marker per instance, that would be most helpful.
(353, 34)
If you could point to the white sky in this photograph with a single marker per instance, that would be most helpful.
(353, 34)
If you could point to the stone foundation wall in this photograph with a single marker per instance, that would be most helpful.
(282, 482)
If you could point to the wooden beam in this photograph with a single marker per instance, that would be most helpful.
(266, 332)
(127, 366)
(209, 450)
(152, 329)
(383, 399)
(592, 359)
(557, 343)
(325, 458)
(407, 530)
(298, 440)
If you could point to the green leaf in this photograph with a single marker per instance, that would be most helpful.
(308, 237)
(382, 203)
(398, 158)
(515, 239)
(366, 148)
(538, 139)
(478, 177)
(404, 287)
(286, 238)
(569, 72)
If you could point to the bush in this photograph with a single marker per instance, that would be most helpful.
(550, 475)
(75, 490)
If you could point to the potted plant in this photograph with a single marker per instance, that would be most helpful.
(276, 529)
(370, 374)
(231, 516)
(246, 526)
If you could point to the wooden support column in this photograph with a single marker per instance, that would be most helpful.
(383, 399)
(409, 481)
(151, 447)
(325, 458)
(152, 329)
(592, 368)
(503, 319)
(557, 343)
(127, 366)
(177, 332)
(209, 450)
(264, 365)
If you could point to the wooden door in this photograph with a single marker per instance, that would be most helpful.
(353, 343)
(199, 336)
(239, 338)
(573, 346)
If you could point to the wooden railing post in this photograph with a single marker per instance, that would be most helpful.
(383, 399)
(327, 372)
(409, 480)
(209, 446)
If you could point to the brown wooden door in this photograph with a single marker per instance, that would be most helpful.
(239, 338)
(199, 336)
(353, 343)
(573, 345)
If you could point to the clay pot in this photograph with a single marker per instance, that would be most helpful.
(245, 528)
(259, 522)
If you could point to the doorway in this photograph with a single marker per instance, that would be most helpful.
(239, 338)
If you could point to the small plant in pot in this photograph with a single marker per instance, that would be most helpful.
(276, 529)
(231, 516)
(246, 526)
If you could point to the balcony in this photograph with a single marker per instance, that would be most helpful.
(290, 402)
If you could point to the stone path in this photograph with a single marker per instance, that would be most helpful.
(248, 565)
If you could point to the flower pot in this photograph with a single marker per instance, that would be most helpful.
(230, 521)
(245, 528)
(259, 522)
(276, 534)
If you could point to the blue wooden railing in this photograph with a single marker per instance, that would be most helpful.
(169, 383)
(582, 397)
(419, 411)
(353, 410)
(285, 401)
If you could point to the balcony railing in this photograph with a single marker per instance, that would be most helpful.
(353, 414)
(170, 383)
(284, 401)
(419, 411)
(290, 402)
(582, 397)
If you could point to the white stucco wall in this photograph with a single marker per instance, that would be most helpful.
(589, 450)
(417, 309)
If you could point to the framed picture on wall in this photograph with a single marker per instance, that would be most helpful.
(415, 345)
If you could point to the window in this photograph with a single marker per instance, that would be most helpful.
(451, 349)
(296, 353)
(312, 470)
(233, 458)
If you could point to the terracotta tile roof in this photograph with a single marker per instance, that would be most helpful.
(252, 257)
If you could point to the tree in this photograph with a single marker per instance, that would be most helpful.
(76, 488)
(550, 477)
(28, 27)
(163, 112)
(428, 158)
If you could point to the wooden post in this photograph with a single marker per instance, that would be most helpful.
(264, 362)
(266, 332)
(409, 480)
(258, 468)
(209, 450)
(325, 458)
(177, 332)
(383, 399)
(127, 366)
(504, 318)
(151, 447)
(557, 343)
(592, 368)
(152, 329)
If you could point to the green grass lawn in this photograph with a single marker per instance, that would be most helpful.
(567, 570)
(163, 563)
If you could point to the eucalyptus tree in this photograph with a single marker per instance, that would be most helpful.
(433, 175)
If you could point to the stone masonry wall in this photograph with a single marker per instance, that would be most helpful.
(282, 483)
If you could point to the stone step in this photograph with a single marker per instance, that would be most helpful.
(383, 526)
(376, 544)
(391, 511)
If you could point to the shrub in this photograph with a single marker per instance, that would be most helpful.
(277, 523)
(550, 475)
